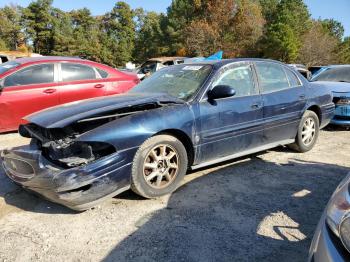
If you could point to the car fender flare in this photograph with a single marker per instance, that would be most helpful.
(314, 107)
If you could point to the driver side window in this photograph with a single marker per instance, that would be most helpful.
(240, 78)
(37, 74)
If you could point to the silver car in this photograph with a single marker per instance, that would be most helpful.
(331, 241)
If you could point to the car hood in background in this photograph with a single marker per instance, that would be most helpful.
(339, 87)
(63, 115)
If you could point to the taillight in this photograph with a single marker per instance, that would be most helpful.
(343, 101)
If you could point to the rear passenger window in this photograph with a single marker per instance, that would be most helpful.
(102, 73)
(74, 72)
(240, 78)
(271, 77)
(293, 80)
(168, 63)
(38, 74)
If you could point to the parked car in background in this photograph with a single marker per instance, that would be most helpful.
(314, 69)
(190, 115)
(331, 241)
(337, 77)
(6, 56)
(333, 73)
(28, 85)
(302, 69)
(154, 64)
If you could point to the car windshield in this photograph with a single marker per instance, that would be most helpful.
(334, 74)
(8, 66)
(181, 81)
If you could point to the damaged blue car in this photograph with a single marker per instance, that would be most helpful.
(184, 116)
(337, 78)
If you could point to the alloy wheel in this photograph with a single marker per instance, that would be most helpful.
(308, 131)
(161, 166)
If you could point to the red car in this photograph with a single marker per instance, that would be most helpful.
(28, 85)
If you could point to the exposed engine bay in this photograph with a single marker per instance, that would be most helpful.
(60, 145)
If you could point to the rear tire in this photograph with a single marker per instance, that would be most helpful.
(308, 132)
(159, 166)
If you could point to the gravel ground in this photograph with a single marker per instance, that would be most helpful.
(263, 207)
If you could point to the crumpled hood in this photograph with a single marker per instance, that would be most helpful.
(63, 115)
(338, 87)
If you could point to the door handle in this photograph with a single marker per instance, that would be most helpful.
(49, 91)
(302, 97)
(256, 106)
(99, 86)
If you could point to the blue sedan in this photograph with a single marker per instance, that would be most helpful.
(337, 77)
(184, 116)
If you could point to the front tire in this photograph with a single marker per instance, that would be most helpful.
(159, 166)
(308, 132)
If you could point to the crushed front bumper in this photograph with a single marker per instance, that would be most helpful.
(78, 188)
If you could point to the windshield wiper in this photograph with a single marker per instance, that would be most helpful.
(344, 81)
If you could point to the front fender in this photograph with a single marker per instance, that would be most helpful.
(132, 131)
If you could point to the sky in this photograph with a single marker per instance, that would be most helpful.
(336, 9)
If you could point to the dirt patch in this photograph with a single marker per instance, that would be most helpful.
(12, 140)
(263, 207)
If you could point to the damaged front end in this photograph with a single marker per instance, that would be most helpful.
(61, 147)
(342, 108)
(64, 168)
(73, 158)
(78, 188)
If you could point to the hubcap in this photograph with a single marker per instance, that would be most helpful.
(308, 132)
(161, 166)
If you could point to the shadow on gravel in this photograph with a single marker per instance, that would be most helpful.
(16, 199)
(9, 133)
(335, 128)
(250, 210)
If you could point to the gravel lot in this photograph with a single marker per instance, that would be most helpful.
(263, 207)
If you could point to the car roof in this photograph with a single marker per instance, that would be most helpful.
(223, 62)
(334, 66)
(25, 60)
(51, 59)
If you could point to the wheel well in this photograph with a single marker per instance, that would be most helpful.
(184, 139)
(317, 111)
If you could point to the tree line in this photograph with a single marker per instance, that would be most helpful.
(276, 29)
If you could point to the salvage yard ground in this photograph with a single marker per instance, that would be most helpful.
(263, 207)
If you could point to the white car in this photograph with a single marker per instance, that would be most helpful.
(154, 64)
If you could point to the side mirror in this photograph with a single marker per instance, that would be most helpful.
(221, 91)
(1, 84)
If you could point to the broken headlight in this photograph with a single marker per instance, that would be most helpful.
(78, 153)
(343, 101)
(338, 213)
(60, 146)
